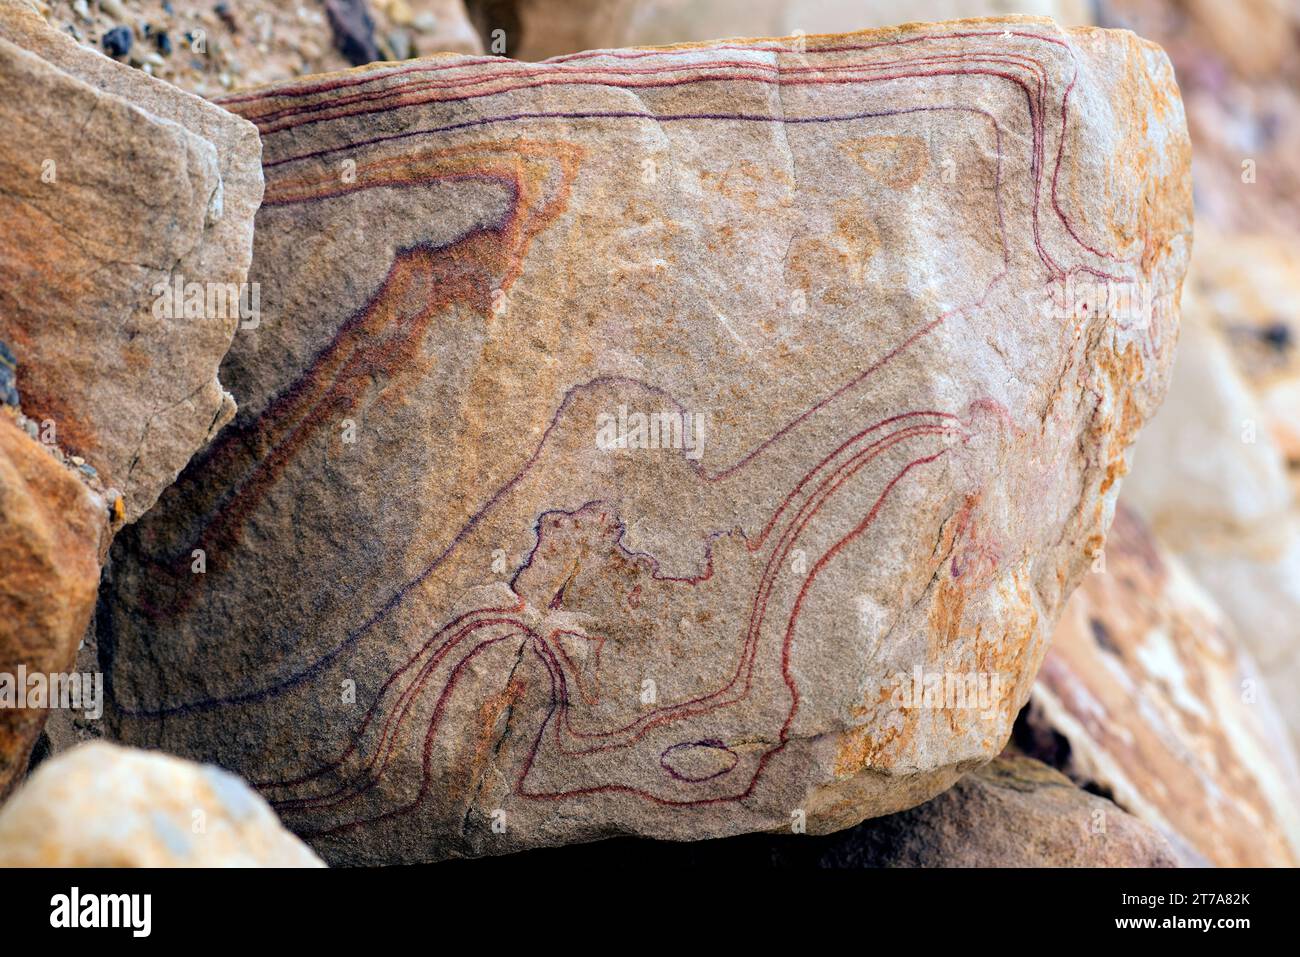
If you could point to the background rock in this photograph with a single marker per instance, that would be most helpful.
(121, 185)
(110, 183)
(1238, 67)
(416, 546)
(105, 806)
(1211, 472)
(210, 48)
(537, 29)
(1145, 696)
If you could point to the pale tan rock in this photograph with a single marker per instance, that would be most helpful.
(1012, 812)
(1249, 286)
(504, 633)
(120, 187)
(1160, 708)
(52, 529)
(111, 186)
(538, 29)
(101, 805)
(1212, 472)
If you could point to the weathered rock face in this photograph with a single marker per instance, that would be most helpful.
(537, 29)
(502, 631)
(1012, 812)
(1212, 472)
(1155, 704)
(129, 188)
(101, 805)
(52, 528)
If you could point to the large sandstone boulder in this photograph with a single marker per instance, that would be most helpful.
(105, 806)
(1146, 696)
(439, 534)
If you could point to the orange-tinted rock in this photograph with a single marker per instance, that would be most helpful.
(52, 528)
(1158, 707)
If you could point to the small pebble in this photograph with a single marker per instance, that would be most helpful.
(113, 8)
(399, 44)
(117, 42)
(164, 43)
(227, 16)
(1278, 335)
(8, 376)
(81, 9)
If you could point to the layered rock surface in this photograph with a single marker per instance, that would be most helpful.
(1145, 696)
(828, 269)
(211, 48)
(101, 805)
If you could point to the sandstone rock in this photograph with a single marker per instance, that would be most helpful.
(111, 184)
(1249, 287)
(1212, 473)
(1156, 705)
(101, 805)
(121, 188)
(52, 528)
(888, 456)
(1012, 812)
(537, 29)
